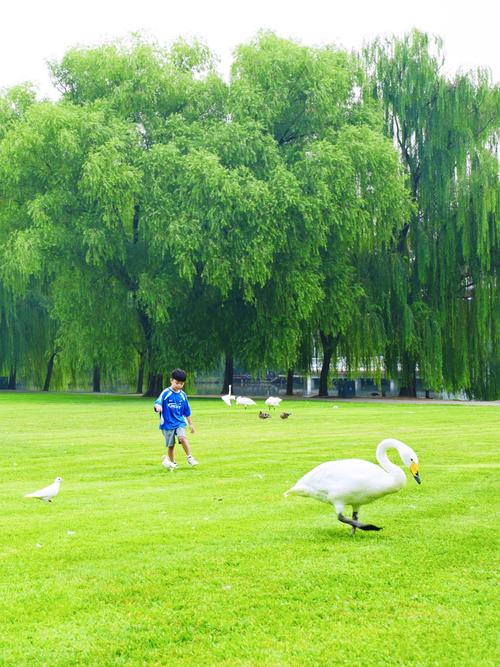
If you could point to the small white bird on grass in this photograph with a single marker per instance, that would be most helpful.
(227, 398)
(356, 482)
(244, 400)
(273, 401)
(48, 492)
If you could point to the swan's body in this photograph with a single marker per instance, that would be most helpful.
(244, 400)
(48, 492)
(273, 401)
(227, 398)
(356, 482)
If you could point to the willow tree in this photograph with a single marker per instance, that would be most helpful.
(347, 190)
(69, 186)
(26, 336)
(439, 284)
(208, 215)
(26, 331)
(162, 93)
(143, 191)
(218, 212)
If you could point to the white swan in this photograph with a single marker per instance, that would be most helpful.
(273, 401)
(244, 400)
(227, 398)
(356, 482)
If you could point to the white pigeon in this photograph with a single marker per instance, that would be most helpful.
(244, 400)
(273, 401)
(48, 492)
(227, 398)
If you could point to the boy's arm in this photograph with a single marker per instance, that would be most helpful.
(158, 404)
(187, 416)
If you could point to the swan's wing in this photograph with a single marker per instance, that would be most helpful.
(340, 479)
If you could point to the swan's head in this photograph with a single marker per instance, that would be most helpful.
(410, 459)
(58, 479)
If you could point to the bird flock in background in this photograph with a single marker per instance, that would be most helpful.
(272, 402)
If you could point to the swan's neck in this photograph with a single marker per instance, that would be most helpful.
(394, 471)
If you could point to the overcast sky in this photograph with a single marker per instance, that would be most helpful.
(33, 31)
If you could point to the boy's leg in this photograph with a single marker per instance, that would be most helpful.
(181, 437)
(185, 444)
(170, 443)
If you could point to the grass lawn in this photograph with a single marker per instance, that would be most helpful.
(133, 565)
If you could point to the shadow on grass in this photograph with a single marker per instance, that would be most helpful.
(341, 534)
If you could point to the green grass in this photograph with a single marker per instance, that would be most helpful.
(212, 566)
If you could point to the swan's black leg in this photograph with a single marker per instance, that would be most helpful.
(354, 518)
(356, 524)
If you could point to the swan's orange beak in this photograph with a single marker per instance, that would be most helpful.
(414, 472)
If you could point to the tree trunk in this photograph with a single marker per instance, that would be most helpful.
(96, 379)
(289, 382)
(328, 343)
(135, 223)
(50, 368)
(155, 380)
(228, 373)
(408, 376)
(155, 384)
(140, 373)
(12, 378)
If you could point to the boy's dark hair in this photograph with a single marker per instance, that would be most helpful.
(178, 374)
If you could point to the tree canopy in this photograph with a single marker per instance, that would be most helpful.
(157, 215)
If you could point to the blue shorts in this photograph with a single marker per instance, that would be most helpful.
(169, 435)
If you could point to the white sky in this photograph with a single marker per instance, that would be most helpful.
(33, 31)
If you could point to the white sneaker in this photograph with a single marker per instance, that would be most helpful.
(168, 464)
(192, 461)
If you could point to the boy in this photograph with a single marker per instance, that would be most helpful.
(173, 406)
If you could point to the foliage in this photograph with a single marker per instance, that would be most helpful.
(447, 133)
(252, 219)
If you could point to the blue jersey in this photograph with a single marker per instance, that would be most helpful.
(175, 407)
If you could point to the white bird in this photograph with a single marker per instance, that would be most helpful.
(356, 482)
(48, 492)
(244, 400)
(227, 398)
(273, 401)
